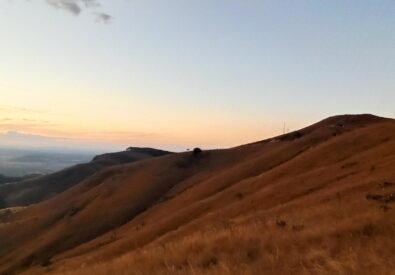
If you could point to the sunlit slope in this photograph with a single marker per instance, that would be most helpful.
(318, 190)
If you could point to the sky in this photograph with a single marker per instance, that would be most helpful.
(178, 74)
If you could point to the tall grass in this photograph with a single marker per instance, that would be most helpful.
(359, 246)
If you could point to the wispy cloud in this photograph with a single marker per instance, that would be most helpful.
(24, 120)
(24, 126)
(20, 110)
(36, 120)
(5, 119)
(75, 7)
(14, 118)
(70, 6)
(102, 17)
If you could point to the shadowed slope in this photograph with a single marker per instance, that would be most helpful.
(42, 188)
(179, 206)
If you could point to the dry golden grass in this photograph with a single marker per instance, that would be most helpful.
(341, 234)
(317, 204)
(266, 248)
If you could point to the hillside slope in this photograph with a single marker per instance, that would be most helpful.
(315, 201)
(38, 189)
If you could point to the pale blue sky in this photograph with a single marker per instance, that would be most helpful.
(214, 73)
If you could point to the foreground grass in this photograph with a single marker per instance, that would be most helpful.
(364, 245)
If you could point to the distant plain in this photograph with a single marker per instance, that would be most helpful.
(19, 162)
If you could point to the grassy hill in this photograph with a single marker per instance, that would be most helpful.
(29, 191)
(316, 201)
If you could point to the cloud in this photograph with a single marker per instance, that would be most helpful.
(102, 17)
(75, 7)
(68, 5)
(19, 110)
(6, 119)
(35, 121)
(25, 126)
(28, 125)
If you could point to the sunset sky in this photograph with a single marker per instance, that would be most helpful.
(183, 73)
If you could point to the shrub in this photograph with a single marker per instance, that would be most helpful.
(197, 151)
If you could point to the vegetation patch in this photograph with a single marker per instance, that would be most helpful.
(209, 261)
(385, 198)
(386, 184)
(291, 136)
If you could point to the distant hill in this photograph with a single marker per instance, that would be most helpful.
(5, 179)
(29, 191)
(315, 201)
